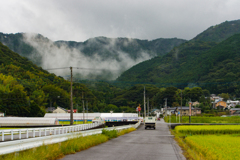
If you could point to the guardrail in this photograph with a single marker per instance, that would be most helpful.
(37, 132)
(24, 144)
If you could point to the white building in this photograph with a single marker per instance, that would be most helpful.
(1, 114)
(66, 116)
(60, 110)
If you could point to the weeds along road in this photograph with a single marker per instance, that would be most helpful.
(138, 145)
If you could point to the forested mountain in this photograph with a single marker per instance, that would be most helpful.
(219, 32)
(104, 53)
(27, 89)
(186, 64)
(206, 64)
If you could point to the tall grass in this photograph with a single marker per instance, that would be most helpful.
(110, 133)
(198, 119)
(58, 150)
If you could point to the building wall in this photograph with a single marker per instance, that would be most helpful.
(221, 103)
(194, 112)
(59, 110)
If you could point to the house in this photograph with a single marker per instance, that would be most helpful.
(185, 110)
(234, 111)
(170, 110)
(196, 103)
(1, 114)
(74, 111)
(156, 112)
(60, 110)
(221, 104)
(50, 109)
(232, 104)
(215, 98)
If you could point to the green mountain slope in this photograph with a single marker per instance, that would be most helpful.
(219, 32)
(35, 47)
(26, 89)
(192, 62)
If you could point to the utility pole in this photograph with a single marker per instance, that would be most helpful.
(148, 106)
(165, 106)
(83, 108)
(181, 107)
(144, 105)
(71, 101)
(190, 110)
(87, 109)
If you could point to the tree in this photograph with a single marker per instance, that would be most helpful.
(225, 96)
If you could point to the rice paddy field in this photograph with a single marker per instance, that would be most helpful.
(209, 142)
(215, 147)
(208, 129)
(199, 119)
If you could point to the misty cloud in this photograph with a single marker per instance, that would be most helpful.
(55, 56)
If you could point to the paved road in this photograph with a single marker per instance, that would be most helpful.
(138, 145)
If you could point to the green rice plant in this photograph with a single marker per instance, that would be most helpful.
(213, 147)
(203, 119)
(207, 129)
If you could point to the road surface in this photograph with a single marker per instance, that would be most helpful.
(138, 145)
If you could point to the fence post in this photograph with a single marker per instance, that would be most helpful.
(45, 132)
(27, 134)
(39, 133)
(20, 134)
(33, 133)
(2, 135)
(11, 134)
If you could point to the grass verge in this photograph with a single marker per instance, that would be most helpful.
(58, 150)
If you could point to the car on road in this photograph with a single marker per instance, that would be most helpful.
(150, 122)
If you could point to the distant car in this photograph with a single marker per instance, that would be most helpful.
(150, 122)
(97, 120)
(158, 119)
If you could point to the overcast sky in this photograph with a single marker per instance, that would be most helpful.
(79, 20)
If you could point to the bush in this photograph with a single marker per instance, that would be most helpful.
(110, 134)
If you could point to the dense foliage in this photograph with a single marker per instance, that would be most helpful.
(26, 90)
(106, 48)
(219, 32)
(194, 63)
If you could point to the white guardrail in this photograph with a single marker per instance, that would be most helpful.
(46, 131)
(63, 134)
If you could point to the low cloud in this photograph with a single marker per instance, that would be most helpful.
(59, 56)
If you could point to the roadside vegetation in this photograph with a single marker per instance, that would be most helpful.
(209, 142)
(58, 150)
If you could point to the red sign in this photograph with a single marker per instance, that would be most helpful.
(139, 109)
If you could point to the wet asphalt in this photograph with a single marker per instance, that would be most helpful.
(138, 145)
